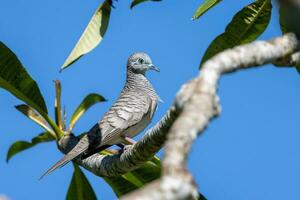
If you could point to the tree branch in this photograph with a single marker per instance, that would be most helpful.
(200, 108)
(195, 105)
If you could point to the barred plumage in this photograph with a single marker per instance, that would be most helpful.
(128, 116)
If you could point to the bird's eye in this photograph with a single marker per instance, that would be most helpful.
(141, 61)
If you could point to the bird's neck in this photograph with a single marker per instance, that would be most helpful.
(139, 82)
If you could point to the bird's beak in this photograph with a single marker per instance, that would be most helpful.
(153, 67)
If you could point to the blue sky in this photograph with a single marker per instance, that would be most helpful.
(250, 152)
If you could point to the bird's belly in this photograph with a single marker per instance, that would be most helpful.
(136, 129)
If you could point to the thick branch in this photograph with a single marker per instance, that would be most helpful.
(200, 108)
(135, 156)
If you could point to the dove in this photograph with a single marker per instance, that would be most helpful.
(128, 116)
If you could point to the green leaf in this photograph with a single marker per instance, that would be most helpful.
(64, 119)
(15, 79)
(201, 197)
(298, 69)
(147, 173)
(120, 185)
(246, 26)
(80, 188)
(204, 7)
(289, 19)
(34, 116)
(136, 2)
(134, 180)
(20, 146)
(282, 20)
(289, 16)
(86, 103)
(92, 35)
(57, 105)
(156, 161)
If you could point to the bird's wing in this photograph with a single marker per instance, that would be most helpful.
(128, 111)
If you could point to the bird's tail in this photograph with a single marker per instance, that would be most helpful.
(80, 148)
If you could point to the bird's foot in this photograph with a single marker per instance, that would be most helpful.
(127, 147)
(128, 141)
(124, 147)
(112, 151)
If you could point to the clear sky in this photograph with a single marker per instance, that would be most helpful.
(250, 152)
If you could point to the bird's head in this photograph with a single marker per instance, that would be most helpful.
(140, 63)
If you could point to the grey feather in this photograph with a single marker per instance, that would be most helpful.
(81, 147)
(128, 116)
